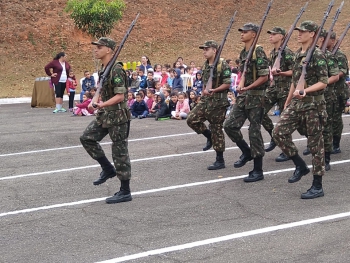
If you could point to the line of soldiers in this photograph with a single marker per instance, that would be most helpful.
(315, 112)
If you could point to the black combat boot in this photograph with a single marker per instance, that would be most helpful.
(245, 157)
(219, 163)
(207, 134)
(306, 151)
(272, 144)
(315, 190)
(301, 169)
(124, 194)
(336, 145)
(282, 158)
(327, 160)
(108, 170)
(257, 173)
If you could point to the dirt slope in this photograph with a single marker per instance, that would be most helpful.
(33, 31)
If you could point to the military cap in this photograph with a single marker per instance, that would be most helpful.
(307, 26)
(323, 33)
(249, 27)
(277, 30)
(333, 35)
(105, 41)
(209, 43)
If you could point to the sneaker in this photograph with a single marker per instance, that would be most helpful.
(55, 110)
(62, 110)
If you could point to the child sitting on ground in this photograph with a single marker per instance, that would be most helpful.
(182, 107)
(131, 99)
(139, 108)
(81, 109)
(172, 102)
(149, 98)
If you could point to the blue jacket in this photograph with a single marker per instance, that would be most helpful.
(88, 84)
(138, 108)
(177, 82)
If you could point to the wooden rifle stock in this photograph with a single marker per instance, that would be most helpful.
(110, 64)
(209, 84)
(252, 48)
(301, 83)
(337, 45)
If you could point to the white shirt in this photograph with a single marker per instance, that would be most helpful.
(63, 77)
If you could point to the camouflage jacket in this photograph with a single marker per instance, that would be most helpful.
(224, 78)
(115, 84)
(287, 61)
(340, 87)
(316, 70)
(333, 70)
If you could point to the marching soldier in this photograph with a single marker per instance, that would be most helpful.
(306, 112)
(249, 105)
(113, 118)
(213, 104)
(278, 90)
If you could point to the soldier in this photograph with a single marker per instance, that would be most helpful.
(212, 105)
(342, 93)
(250, 105)
(306, 111)
(330, 98)
(278, 90)
(113, 118)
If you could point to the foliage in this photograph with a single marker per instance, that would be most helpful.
(96, 17)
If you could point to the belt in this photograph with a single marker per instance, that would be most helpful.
(256, 92)
(119, 106)
(313, 98)
(220, 95)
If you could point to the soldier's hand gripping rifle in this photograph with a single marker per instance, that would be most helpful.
(301, 82)
(326, 39)
(277, 64)
(337, 45)
(110, 64)
(252, 48)
(209, 84)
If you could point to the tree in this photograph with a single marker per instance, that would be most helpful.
(96, 17)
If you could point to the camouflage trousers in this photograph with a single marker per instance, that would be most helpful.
(328, 127)
(337, 116)
(235, 121)
(204, 111)
(119, 135)
(272, 97)
(309, 121)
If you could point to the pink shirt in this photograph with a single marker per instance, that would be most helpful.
(183, 107)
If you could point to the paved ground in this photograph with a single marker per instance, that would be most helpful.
(181, 212)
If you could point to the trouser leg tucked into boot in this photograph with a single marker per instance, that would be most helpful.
(257, 173)
(124, 194)
(245, 157)
(315, 190)
(207, 134)
(327, 159)
(108, 170)
(219, 163)
(301, 169)
(336, 145)
(272, 144)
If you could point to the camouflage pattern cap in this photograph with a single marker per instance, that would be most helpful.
(307, 26)
(209, 43)
(333, 35)
(105, 41)
(277, 30)
(249, 27)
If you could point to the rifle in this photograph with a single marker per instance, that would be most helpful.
(209, 84)
(252, 48)
(110, 64)
(337, 45)
(301, 82)
(277, 64)
(326, 39)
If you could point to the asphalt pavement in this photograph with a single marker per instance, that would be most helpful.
(51, 212)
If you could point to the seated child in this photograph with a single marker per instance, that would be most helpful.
(139, 109)
(131, 99)
(182, 107)
(135, 82)
(172, 102)
(192, 98)
(149, 98)
(161, 110)
(81, 109)
(166, 93)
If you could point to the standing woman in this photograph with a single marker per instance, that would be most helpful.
(58, 69)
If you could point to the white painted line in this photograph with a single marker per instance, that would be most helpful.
(168, 188)
(227, 238)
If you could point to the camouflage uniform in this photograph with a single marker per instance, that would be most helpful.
(212, 108)
(113, 120)
(250, 104)
(342, 93)
(309, 113)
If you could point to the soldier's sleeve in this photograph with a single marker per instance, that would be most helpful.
(225, 75)
(333, 68)
(118, 79)
(288, 59)
(262, 63)
(342, 63)
(320, 63)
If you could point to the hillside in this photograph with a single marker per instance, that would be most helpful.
(33, 31)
